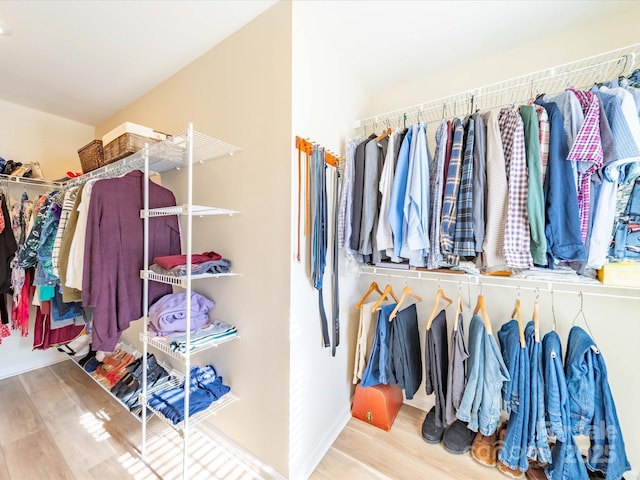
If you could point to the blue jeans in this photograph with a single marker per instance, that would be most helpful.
(472, 396)
(378, 369)
(593, 411)
(514, 451)
(480, 404)
(538, 441)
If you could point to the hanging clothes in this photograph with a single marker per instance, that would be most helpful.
(463, 245)
(436, 358)
(452, 185)
(566, 461)
(479, 201)
(378, 369)
(458, 355)
(364, 340)
(437, 191)
(398, 193)
(591, 404)
(405, 351)
(113, 253)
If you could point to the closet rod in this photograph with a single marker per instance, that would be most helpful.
(34, 182)
(579, 74)
(479, 281)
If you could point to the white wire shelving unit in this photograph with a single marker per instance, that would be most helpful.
(176, 152)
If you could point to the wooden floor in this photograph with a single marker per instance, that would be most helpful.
(363, 452)
(57, 423)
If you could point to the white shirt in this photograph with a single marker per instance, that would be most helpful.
(76, 251)
(384, 234)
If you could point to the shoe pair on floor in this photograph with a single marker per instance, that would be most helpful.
(456, 438)
(486, 448)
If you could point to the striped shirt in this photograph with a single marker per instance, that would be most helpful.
(67, 207)
(449, 203)
(543, 123)
(464, 244)
(516, 231)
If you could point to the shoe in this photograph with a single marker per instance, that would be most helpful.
(535, 471)
(92, 353)
(457, 438)
(483, 449)
(92, 364)
(505, 469)
(431, 433)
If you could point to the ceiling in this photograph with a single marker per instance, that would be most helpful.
(85, 60)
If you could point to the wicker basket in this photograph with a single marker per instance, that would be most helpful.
(124, 146)
(91, 156)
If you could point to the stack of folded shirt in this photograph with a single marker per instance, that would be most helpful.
(176, 265)
(169, 314)
(205, 387)
(210, 333)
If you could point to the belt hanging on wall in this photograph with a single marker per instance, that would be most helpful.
(316, 228)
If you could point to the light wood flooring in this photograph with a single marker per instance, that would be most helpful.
(364, 452)
(57, 423)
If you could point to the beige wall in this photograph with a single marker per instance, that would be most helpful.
(240, 92)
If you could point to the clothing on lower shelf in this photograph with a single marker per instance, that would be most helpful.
(205, 387)
(215, 331)
(170, 261)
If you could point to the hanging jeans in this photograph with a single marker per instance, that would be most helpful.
(378, 369)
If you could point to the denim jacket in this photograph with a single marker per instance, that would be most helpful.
(591, 405)
(566, 462)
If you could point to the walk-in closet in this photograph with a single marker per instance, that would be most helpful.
(287, 239)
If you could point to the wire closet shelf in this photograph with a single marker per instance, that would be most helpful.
(580, 74)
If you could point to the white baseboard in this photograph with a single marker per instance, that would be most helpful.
(323, 446)
(33, 366)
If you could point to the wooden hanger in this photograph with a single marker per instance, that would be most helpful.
(407, 290)
(439, 296)
(385, 133)
(480, 307)
(517, 314)
(372, 288)
(388, 291)
(458, 312)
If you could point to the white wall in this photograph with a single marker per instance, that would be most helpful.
(30, 135)
(324, 105)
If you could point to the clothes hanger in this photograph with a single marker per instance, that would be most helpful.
(407, 290)
(458, 309)
(517, 314)
(388, 291)
(439, 296)
(553, 314)
(584, 318)
(372, 288)
(536, 317)
(481, 307)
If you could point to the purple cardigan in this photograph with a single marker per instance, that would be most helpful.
(114, 253)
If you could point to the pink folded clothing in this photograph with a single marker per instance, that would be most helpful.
(171, 261)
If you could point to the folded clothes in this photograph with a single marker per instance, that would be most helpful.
(205, 387)
(222, 265)
(171, 261)
(201, 337)
(169, 313)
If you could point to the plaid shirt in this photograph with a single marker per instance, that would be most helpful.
(449, 203)
(437, 188)
(464, 244)
(587, 147)
(516, 231)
